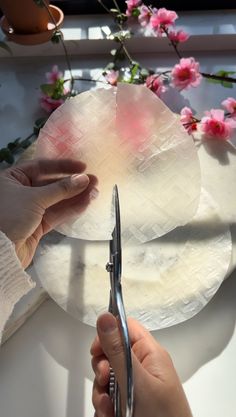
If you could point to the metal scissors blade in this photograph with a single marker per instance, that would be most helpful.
(116, 307)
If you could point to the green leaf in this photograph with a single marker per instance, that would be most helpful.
(9, 158)
(58, 90)
(121, 18)
(224, 83)
(39, 123)
(13, 145)
(56, 37)
(135, 12)
(227, 84)
(6, 155)
(212, 81)
(144, 73)
(223, 73)
(134, 71)
(26, 144)
(114, 11)
(120, 36)
(3, 45)
(39, 3)
(47, 89)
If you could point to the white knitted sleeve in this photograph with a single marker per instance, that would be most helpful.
(14, 281)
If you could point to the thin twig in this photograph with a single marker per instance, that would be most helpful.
(218, 77)
(120, 26)
(204, 74)
(104, 6)
(85, 79)
(24, 142)
(117, 6)
(172, 42)
(62, 43)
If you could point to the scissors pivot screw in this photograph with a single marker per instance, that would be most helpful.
(109, 266)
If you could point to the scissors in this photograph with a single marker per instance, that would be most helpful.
(116, 307)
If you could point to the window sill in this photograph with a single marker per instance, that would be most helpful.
(87, 35)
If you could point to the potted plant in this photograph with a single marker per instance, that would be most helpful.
(30, 21)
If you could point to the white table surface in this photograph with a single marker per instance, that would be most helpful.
(45, 367)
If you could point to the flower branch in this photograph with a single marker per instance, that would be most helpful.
(216, 123)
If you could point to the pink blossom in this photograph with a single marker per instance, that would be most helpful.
(230, 105)
(188, 120)
(162, 18)
(112, 77)
(186, 73)
(132, 4)
(144, 16)
(49, 104)
(54, 75)
(178, 36)
(214, 124)
(155, 84)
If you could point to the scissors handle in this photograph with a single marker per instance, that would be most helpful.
(114, 393)
(116, 307)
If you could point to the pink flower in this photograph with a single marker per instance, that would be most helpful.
(155, 84)
(132, 4)
(186, 73)
(215, 125)
(188, 120)
(144, 16)
(112, 77)
(54, 75)
(230, 105)
(178, 36)
(49, 104)
(162, 18)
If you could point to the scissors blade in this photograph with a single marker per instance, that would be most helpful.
(116, 235)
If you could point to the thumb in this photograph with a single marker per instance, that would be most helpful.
(62, 189)
(112, 346)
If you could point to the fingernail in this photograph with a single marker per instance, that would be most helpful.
(80, 179)
(107, 323)
(93, 193)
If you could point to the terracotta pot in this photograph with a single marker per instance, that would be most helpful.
(24, 16)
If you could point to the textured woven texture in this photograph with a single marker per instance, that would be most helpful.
(164, 282)
(127, 136)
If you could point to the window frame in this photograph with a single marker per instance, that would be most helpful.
(71, 7)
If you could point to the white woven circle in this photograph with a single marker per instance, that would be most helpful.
(129, 137)
(165, 281)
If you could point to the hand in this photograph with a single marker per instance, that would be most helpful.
(157, 388)
(36, 196)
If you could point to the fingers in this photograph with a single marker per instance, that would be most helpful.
(101, 401)
(62, 189)
(70, 208)
(36, 169)
(112, 346)
(148, 354)
(136, 333)
(101, 369)
(111, 343)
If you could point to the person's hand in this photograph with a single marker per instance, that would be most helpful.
(37, 195)
(157, 388)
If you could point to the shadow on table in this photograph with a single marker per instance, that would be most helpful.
(202, 338)
(191, 344)
(196, 231)
(219, 150)
(31, 384)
